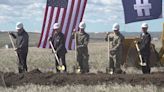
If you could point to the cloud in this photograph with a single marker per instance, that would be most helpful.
(5, 19)
(103, 2)
(35, 9)
(105, 21)
(95, 20)
(104, 11)
(17, 2)
(104, 5)
(20, 10)
(97, 11)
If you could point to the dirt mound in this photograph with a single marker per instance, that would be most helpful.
(49, 78)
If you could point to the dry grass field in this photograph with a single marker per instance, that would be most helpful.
(84, 88)
(43, 59)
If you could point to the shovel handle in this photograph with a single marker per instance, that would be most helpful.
(11, 40)
(108, 47)
(13, 44)
(54, 52)
(75, 35)
(138, 50)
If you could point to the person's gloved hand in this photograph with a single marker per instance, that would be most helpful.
(55, 52)
(80, 46)
(10, 33)
(112, 52)
(110, 39)
(135, 42)
(15, 49)
(74, 31)
(50, 38)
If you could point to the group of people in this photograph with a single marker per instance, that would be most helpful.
(115, 40)
(116, 47)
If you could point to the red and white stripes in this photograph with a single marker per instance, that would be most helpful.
(69, 18)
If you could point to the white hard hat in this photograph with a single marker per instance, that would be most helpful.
(116, 26)
(19, 25)
(82, 25)
(144, 25)
(56, 26)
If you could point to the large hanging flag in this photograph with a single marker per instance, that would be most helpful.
(68, 13)
(139, 10)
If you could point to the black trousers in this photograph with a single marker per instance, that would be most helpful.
(61, 59)
(146, 69)
(22, 66)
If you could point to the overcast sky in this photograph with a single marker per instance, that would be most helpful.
(99, 16)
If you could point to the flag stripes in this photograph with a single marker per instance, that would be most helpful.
(69, 18)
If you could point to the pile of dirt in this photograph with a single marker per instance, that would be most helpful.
(49, 78)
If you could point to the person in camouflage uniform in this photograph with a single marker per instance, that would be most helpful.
(22, 39)
(115, 49)
(82, 39)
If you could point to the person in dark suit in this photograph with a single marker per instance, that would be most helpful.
(144, 45)
(22, 40)
(58, 41)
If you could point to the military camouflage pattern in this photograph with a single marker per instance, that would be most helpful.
(82, 40)
(115, 51)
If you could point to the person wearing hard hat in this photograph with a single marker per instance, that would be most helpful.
(115, 49)
(58, 41)
(22, 40)
(144, 46)
(82, 47)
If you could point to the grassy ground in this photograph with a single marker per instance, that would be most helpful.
(83, 88)
(44, 60)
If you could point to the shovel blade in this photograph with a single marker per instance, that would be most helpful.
(143, 64)
(61, 67)
(76, 69)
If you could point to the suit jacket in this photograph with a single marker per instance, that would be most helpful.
(145, 43)
(22, 40)
(58, 42)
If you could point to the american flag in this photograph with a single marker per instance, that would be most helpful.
(68, 13)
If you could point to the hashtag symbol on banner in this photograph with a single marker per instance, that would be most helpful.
(140, 7)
